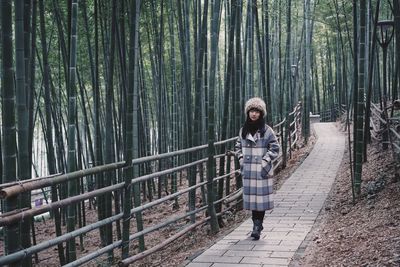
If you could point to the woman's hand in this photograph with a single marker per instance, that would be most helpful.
(265, 168)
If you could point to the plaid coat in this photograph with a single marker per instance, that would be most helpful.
(255, 154)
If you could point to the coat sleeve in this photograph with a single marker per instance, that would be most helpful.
(273, 147)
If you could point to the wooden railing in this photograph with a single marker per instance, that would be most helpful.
(386, 131)
(293, 135)
(199, 212)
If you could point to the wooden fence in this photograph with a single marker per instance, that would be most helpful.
(225, 196)
(385, 128)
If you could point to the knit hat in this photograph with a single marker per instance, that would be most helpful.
(255, 103)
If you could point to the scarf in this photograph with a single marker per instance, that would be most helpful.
(253, 126)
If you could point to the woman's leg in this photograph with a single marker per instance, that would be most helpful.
(257, 215)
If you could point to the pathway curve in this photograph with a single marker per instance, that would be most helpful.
(297, 205)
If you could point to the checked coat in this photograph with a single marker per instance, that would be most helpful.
(255, 154)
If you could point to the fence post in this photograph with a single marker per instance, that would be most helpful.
(284, 143)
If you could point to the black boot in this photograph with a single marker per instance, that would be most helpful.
(257, 228)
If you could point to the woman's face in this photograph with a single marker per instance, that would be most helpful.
(254, 114)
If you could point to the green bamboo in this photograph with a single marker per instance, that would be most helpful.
(82, 92)
(249, 53)
(238, 99)
(280, 78)
(51, 160)
(396, 74)
(131, 123)
(61, 39)
(24, 172)
(183, 19)
(307, 72)
(211, 127)
(29, 38)
(359, 101)
(225, 112)
(317, 87)
(109, 141)
(174, 183)
(12, 232)
(356, 80)
(261, 77)
(367, 135)
(287, 84)
(72, 113)
(134, 84)
(31, 73)
(267, 63)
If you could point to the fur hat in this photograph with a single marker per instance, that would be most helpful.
(255, 103)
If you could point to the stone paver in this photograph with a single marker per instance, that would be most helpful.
(297, 205)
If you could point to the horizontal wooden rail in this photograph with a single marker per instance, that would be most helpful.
(27, 213)
(30, 185)
(40, 183)
(30, 180)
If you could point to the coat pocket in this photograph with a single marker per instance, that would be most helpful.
(265, 169)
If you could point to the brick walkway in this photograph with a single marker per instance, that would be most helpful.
(297, 205)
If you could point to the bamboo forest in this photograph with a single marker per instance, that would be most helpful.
(119, 120)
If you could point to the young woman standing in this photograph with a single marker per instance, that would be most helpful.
(256, 148)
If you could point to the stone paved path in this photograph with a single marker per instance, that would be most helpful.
(297, 205)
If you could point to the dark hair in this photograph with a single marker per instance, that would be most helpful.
(252, 127)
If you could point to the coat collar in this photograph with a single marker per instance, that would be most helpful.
(253, 138)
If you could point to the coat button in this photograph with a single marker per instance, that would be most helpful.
(248, 157)
(255, 157)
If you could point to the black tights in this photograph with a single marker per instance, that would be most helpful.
(257, 215)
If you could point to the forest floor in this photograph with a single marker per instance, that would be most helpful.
(363, 233)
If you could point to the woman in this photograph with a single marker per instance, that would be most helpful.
(256, 148)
